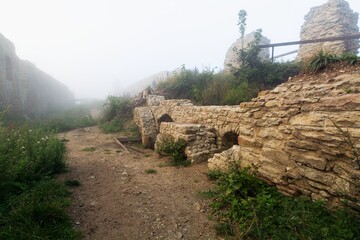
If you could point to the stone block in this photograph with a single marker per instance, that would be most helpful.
(249, 142)
(310, 160)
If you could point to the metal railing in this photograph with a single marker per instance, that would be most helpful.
(328, 39)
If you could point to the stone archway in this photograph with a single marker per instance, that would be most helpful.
(164, 118)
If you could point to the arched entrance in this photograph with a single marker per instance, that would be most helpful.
(229, 139)
(165, 118)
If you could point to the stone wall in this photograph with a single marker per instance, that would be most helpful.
(332, 19)
(291, 135)
(28, 90)
(201, 143)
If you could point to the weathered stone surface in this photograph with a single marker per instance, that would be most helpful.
(224, 160)
(296, 150)
(231, 59)
(200, 140)
(28, 90)
(332, 19)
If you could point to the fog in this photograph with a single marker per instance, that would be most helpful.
(98, 47)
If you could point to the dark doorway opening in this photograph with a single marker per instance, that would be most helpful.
(229, 139)
(165, 118)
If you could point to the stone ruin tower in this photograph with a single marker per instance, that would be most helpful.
(231, 55)
(332, 19)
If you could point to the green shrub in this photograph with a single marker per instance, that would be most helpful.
(248, 207)
(320, 60)
(168, 146)
(28, 155)
(350, 58)
(116, 107)
(242, 83)
(112, 126)
(32, 205)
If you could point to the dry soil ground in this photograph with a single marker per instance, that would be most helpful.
(117, 199)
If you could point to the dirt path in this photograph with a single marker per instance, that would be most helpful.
(117, 199)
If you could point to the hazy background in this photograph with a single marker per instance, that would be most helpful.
(98, 47)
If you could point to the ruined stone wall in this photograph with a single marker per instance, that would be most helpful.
(28, 90)
(290, 135)
(201, 141)
(332, 19)
(293, 138)
(222, 118)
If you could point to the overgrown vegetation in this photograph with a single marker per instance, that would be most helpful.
(77, 117)
(117, 112)
(241, 84)
(175, 149)
(323, 59)
(32, 205)
(247, 208)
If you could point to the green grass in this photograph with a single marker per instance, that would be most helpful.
(38, 213)
(112, 126)
(322, 60)
(32, 204)
(89, 149)
(247, 208)
(151, 171)
(175, 149)
(77, 117)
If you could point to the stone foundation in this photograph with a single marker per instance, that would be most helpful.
(200, 140)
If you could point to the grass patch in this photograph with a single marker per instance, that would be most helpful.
(38, 213)
(107, 151)
(88, 149)
(32, 204)
(72, 183)
(322, 60)
(247, 208)
(151, 171)
(77, 117)
(112, 126)
(175, 149)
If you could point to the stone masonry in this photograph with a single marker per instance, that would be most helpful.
(201, 140)
(332, 19)
(290, 135)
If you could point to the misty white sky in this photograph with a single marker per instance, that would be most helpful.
(95, 46)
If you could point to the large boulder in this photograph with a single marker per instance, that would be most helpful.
(232, 58)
